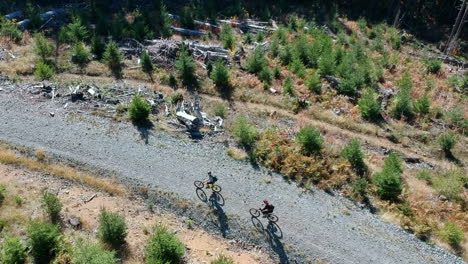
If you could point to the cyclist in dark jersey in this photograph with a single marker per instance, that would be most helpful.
(211, 180)
(267, 208)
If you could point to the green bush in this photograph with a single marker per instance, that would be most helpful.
(277, 72)
(403, 103)
(42, 48)
(146, 64)
(186, 67)
(113, 58)
(354, 154)
(112, 229)
(89, 253)
(172, 81)
(186, 18)
(422, 105)
(310, 140)
(43, 71)
(425, 175)
(175, 98)
(326, 64)
(19, 201)
(360, 188)
(13, 251)
(450, 185)
(369, 106)
(393, 162)
(34, 16)
(76, 31)
(433, 65)
(297, 67)
(220, 110)
(265, 75)
(260, 37)
(44, 240)
(223, 260)
(98, 47)
(227, 37)
(51, 204)
(2, 193)
(286, 55)
(244, 132)
(388, 183)
(256, 61)
(313, 83)
(456, 116)
(394, 38)
(80, 55)
(248, 39)
(220, 76)
(139, 110)
(163, 22)
(405, 209)
(447, 142)
(452, 234)
(10, 30)
(164, 248)
(362, 24)
(274, 48)
(288, 86)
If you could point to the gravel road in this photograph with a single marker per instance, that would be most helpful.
(317, 224)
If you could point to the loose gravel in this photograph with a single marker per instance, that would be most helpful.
(315, 225)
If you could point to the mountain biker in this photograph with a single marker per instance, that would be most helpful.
(211, 180)
(267, 208)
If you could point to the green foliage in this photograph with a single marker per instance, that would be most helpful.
(89, 253)
(288, 86)
(422, 105)
(274, 48)
(451, 184)
(447, 142)
(433, 65)
(175, 98)
(369, 106)
(265, 75)
(310, 140)
(393, 162)
(44, 240)
(354, 154)
(186, 18)
(456, 117)
(164, 22)
(76, 31)
(80, 54)
(244, 132)
(388, 182)
(297, 67)
(220, 76)
(223, 260)
(113, 58)
(248, 38)
(286, 55)
(34, 16)
(452, 234)
(260, 37)
(227, 37)
(13, 251)
(172, 81)
(313, 83)
(51, 204)
(43, 71)
(362, 24)
(256, 61)
(425, 175)
(326, 64)
(220, 110)
(405, 209)
(186, 67)
(360, 188)
(146, 63)
(19, 201)
(403, 103)
(459, 82)
(139, 110)
(164, 248)
(98, 47)
(9, 29)
(277, 72)
(377, 31)
(394, 38)
(112, 229)
(42, 48)
(2, 193)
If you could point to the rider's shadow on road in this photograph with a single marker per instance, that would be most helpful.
(273, 235)
(216, 203)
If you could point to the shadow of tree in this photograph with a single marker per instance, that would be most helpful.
(145, 128)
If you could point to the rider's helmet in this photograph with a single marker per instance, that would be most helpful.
(266, 202)
(209, 173)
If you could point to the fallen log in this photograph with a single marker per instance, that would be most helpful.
(187, 32)
(333, 81)
(15, 15)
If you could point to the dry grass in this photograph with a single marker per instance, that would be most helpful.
(108, 185)
(236, 153)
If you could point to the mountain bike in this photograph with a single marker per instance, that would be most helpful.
(213, 187)
(257, 212)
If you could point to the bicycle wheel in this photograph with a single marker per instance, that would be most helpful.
(254, 212)
(216, 188)
(272, 218)
(199, 184)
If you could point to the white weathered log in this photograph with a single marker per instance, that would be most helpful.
(187, 32)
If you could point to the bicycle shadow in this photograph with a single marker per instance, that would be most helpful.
(273, 235)
(222, 222)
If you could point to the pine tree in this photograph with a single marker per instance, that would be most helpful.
(146, 64)
(113, 59)
(186, 67)
(80, 55)
(220, 76)
(227, 37)
(97, 47)
(186, 18)
(164, 24)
